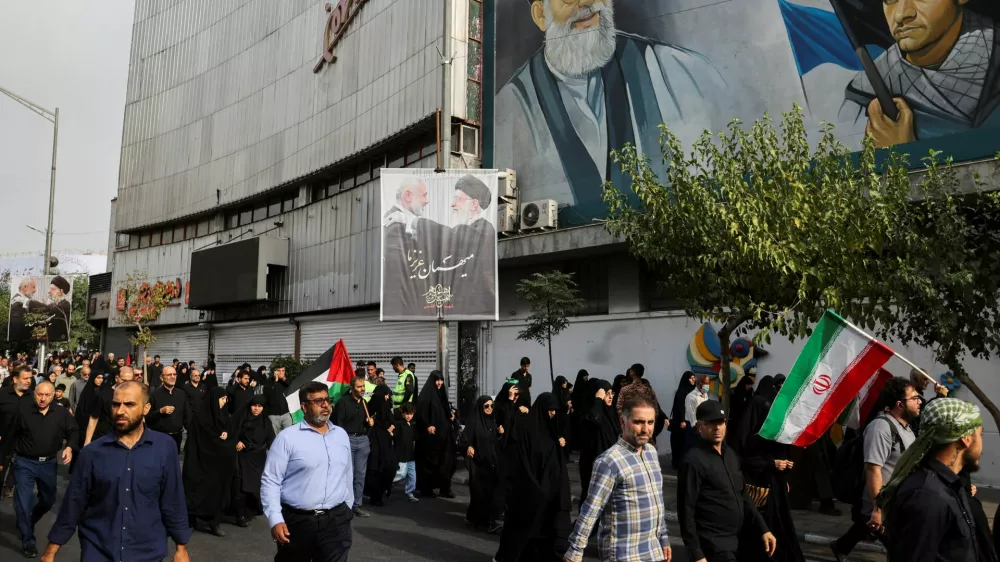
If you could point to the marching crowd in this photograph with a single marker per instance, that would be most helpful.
(124, 430)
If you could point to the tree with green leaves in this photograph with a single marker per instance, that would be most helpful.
(81, 331)
(139, 304)
(758, 231)
(553, 296)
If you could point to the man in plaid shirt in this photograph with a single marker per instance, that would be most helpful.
(626, 493)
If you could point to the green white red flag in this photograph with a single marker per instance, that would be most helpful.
(862, 406)
(832, 369)
(333, 368)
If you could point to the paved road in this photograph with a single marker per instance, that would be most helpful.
(430, 531)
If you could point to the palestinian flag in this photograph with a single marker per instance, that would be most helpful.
(333, 368)
(833, 367)
(862, 406)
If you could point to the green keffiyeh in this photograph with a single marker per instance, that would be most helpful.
(943, 421)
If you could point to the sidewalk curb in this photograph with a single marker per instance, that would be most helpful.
(808, 538)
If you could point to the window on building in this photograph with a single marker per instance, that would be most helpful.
(362, 173)
(202, 228)
(154, 238)
(167, 236)
(319, 193)
(133, 241)
(377, 164)
(179, 233)
(274, 209)
(412, 153)
(591, 277)
(289, 203)
(396, 158)
(654, 296)
(470, 140)
(260, 213)
(122, 240)
(346, 180)
(430, 144)
(143, 241)
(232, 220)
(246, 217)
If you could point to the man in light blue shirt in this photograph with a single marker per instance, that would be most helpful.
(307, 487)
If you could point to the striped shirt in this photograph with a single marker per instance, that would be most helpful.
(626, 493)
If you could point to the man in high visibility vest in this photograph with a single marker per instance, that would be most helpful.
(406, 384)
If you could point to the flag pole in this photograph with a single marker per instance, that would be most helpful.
(895, 353)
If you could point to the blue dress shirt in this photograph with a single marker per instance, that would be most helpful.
(307, 469)
(125, 501)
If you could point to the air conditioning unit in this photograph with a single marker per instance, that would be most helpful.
(507, 185)
(506, 219)
(539, 215)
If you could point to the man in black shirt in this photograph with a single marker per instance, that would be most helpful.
(523, 378)
(154, 372)
(195, 390)
(168, 412)
(241, 393)
(11, 396)
(930, 514)
(277, 402)
(36, 438)
(712, 504)
(351, 414)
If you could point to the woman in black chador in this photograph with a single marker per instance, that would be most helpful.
(481, 442)
(600, 429)
(254, 435)
(581, 388)
(209, 462)
(382, 461)
(765, 469)
(537, 524)
(435, 449)
(678, 425)
(509, 416)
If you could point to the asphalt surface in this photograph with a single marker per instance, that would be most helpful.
(432, 530)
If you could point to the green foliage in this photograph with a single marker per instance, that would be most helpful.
(553, 296)
(293, 367)
(143, 304)
(81, 333)
(758, 231)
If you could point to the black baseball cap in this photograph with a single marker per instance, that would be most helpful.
(710, 411)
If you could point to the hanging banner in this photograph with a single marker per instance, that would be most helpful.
(439, 245)
(40, 308)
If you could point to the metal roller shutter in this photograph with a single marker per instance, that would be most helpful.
(186, 344)
(367, 339)
(256, 343)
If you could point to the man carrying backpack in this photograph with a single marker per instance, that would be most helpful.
(885, 440)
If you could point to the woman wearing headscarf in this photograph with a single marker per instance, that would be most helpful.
(183, 374)
(254, 435)
(600, 428)
(581, 390)
(678, 425)
(928, 510)
(537, 524)
(481, 441)
(508, 415)
(560, 388)
(209, 462)
(616, 387)
(765, 468)
(739, 403)
(435, 450)
(382, 460)
(85, 405)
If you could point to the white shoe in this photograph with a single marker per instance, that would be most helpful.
(412, 498)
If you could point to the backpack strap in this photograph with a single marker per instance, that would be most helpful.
(896, 439)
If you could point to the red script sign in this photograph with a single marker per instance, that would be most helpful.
(336, 25)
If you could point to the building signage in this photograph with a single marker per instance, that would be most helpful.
(176, 291)
(336, 26)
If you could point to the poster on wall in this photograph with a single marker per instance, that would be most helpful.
(577, 80)
(439, 245)
(40, 308)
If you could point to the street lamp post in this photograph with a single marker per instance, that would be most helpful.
(52, 117)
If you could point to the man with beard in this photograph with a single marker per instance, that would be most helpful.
(101, 420)
(21, 304)
(277, 404)
(590, 90)
(468, 265)
(12, 397)
(241, 393)
(154, 371)
(307, 489)
(886, 439)
(403, 295)
(927, 508)
(351, 414)
(943, 71)
(126, 494)
(36, 438)
(77, 387)
(194, 389)
(60, 308)
(168, 407)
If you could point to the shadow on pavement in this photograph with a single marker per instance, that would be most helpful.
(422, 545)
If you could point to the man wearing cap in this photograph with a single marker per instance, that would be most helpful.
(712, 503)
(929, 513)
(60, 307)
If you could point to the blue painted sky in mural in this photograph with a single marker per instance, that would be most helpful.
(817, 37)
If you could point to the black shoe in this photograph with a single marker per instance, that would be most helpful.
(361, 512)
(494, 527)
(828, 508)
(242, 522)
(216, 531)
(30, 552)
(447, 494)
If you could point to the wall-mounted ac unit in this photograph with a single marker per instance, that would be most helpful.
(539, 215)
(507, 185)
(506, 219)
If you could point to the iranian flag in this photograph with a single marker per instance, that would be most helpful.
(333, 368)
(832, 369)
(862, 407)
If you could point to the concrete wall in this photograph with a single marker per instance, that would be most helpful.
(606, 345)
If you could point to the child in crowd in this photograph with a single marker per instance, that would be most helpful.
(61, 399)
(406, 437)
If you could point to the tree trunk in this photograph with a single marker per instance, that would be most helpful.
(552, 376)
(956, 367)
(725, 357)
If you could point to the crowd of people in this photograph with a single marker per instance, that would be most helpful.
(246, 455)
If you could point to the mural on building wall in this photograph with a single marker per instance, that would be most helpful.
(578, 78)
(704, 355)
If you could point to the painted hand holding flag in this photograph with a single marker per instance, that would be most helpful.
(333, 368)
(834, 366)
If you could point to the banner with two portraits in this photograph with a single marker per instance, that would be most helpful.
(40, 308)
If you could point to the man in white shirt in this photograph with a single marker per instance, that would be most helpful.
(695, 399)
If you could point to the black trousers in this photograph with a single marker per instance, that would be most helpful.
(721, 556)
(177, 437)
(858, 532)
(316, 538)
